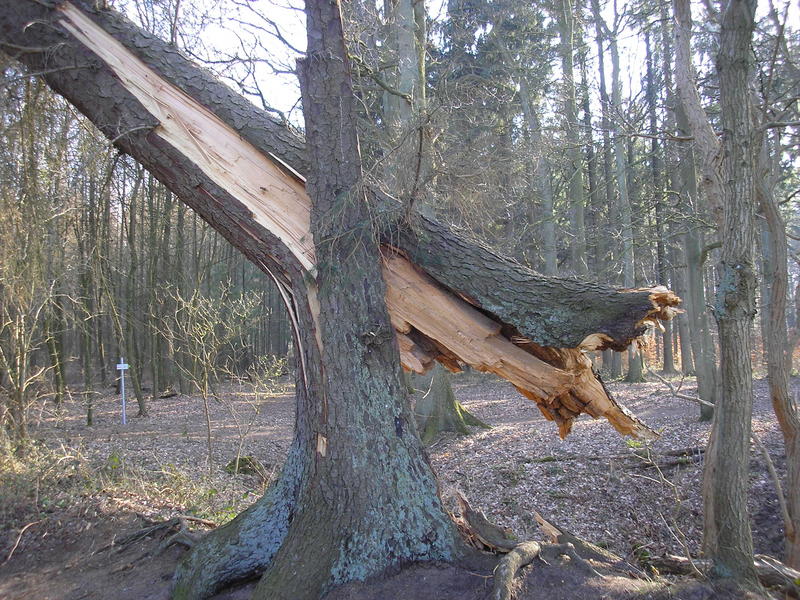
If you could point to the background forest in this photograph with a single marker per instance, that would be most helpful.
(580, 138)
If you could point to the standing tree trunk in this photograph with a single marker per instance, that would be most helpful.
(438, 410)
(339, 510)
(661, 219)
(691, 121)
(728, 539)
(779, 350)
(359, 512)
(565, 17)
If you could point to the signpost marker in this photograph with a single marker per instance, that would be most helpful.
(122, 367)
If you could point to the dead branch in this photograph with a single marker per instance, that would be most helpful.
(674, 391)
(19, 538)
(183, 536)
(585, 549)
(476, 526)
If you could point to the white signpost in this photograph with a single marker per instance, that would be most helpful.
(122, 367)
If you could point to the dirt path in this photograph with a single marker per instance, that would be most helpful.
(630, 498)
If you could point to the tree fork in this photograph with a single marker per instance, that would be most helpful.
(201, 140)
(360, 512)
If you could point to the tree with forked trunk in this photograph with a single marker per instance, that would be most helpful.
(367, 285)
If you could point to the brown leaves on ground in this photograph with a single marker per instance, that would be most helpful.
(629, 497)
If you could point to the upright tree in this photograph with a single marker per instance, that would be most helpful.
(727, 526)
(339, 510)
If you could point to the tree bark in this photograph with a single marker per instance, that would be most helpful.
(348, 396)
(565, 17)
(778, 348)
(437, 409)
(359, 511)
(687, 102)
(728, 540)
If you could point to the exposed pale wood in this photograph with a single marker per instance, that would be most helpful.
(472, 336)
(432, 321)
(277, 200)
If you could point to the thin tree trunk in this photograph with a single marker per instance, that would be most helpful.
(565, 15)
(131, 312)
(779, 350)
(656, 169)
(702, 344)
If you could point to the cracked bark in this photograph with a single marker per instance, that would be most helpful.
(537, 321)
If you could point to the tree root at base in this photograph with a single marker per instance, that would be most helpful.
(771, 572)
(507, 568)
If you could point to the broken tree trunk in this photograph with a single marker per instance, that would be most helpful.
(230, 162)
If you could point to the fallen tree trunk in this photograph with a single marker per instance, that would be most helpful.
(450, 299)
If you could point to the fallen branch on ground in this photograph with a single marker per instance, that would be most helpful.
(476, 527)
(19, 539)
(183, 536)
(586, 549)
(771, 572)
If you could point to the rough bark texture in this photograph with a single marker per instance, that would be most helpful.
(355, 402)
(361, 511)
(727, 527)
(438, 410)
(530, 309)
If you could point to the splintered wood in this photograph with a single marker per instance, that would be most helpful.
(464, 330)
(432, 322)
(278, 202)
(560, 381)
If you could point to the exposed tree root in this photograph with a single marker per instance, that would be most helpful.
(522, 555)
(771, 572)
(585, 548)
(183, 535)
(487, 536)
(243, 548)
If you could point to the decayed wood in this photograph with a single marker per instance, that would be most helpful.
(476, 527)
(500, 317)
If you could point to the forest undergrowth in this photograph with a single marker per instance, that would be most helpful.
(76, 483)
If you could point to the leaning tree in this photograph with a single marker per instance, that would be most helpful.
(368, 285)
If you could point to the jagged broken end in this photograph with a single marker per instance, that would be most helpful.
(663, 307)
(433, 323)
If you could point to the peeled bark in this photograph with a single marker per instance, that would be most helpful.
(449, 299)
(200, 140)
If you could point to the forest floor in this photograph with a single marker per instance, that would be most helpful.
(66, 510)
